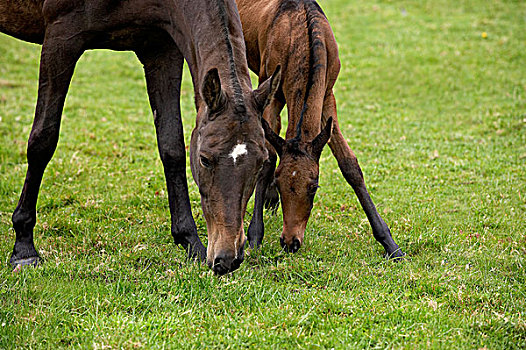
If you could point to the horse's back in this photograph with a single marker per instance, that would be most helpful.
(23, 19)
(275, 31)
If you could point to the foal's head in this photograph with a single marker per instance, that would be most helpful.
(297, 180)
(227, 153)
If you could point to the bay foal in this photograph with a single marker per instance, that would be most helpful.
(297, 35)
(208, 34)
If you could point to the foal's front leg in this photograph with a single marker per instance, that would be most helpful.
(353, 174)
(57, 62)
(163, 68)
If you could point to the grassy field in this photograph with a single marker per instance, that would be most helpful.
(432, 98)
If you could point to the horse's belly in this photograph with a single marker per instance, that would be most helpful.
(22, 19)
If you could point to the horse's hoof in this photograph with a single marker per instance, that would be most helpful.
(18, 264)
(255, 244)
(255, 239)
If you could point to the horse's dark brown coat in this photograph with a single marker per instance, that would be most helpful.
(162, 33)
(297, 35)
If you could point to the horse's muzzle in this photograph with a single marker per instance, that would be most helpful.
(225, 262)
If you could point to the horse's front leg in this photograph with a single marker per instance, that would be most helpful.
(60, 52)
(266, 193)
(163, 69)
(353, 174)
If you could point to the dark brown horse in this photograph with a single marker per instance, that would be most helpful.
(297, 35)
(228, 145)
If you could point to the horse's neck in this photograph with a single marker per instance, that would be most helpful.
(214, 39)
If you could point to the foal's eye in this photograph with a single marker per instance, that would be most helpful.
(311, 190)
(205, 162)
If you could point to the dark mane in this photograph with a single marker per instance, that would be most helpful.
(316, 46)
(239, 107)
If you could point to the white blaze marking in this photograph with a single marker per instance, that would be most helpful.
(238, 150)
(294, 173)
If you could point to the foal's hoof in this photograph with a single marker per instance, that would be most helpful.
(272, 197)
(18, 264)
(396, 255)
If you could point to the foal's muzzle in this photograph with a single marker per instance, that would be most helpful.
(293, 247)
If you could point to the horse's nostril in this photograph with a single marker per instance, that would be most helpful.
(224, 264)
(220, 267)
(218, 261)
(295, 246)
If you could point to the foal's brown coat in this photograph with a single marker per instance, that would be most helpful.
(297, 35)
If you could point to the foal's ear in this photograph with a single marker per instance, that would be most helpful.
(323, 137)
(211, 91)
(274, 139)
(267, 89)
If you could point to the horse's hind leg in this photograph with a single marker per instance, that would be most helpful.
(273, 116)
(353, 174)
(57, 62)
(163, 66)
(266, 192)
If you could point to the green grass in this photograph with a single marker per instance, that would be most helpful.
(437, 117)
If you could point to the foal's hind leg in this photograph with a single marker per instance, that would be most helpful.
(57, 62)
(163, 68)
(264, 188)
(353, 174)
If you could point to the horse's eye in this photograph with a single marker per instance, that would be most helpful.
(205, 162)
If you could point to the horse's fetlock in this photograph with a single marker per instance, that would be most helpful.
(184, 230)
(39, 153)
(23, 221)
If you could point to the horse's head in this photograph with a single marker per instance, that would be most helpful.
(227, 152)
(297, 180)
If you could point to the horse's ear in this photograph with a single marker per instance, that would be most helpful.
(323, 137)
(267, 89)
(211, 91)
(274, 139)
